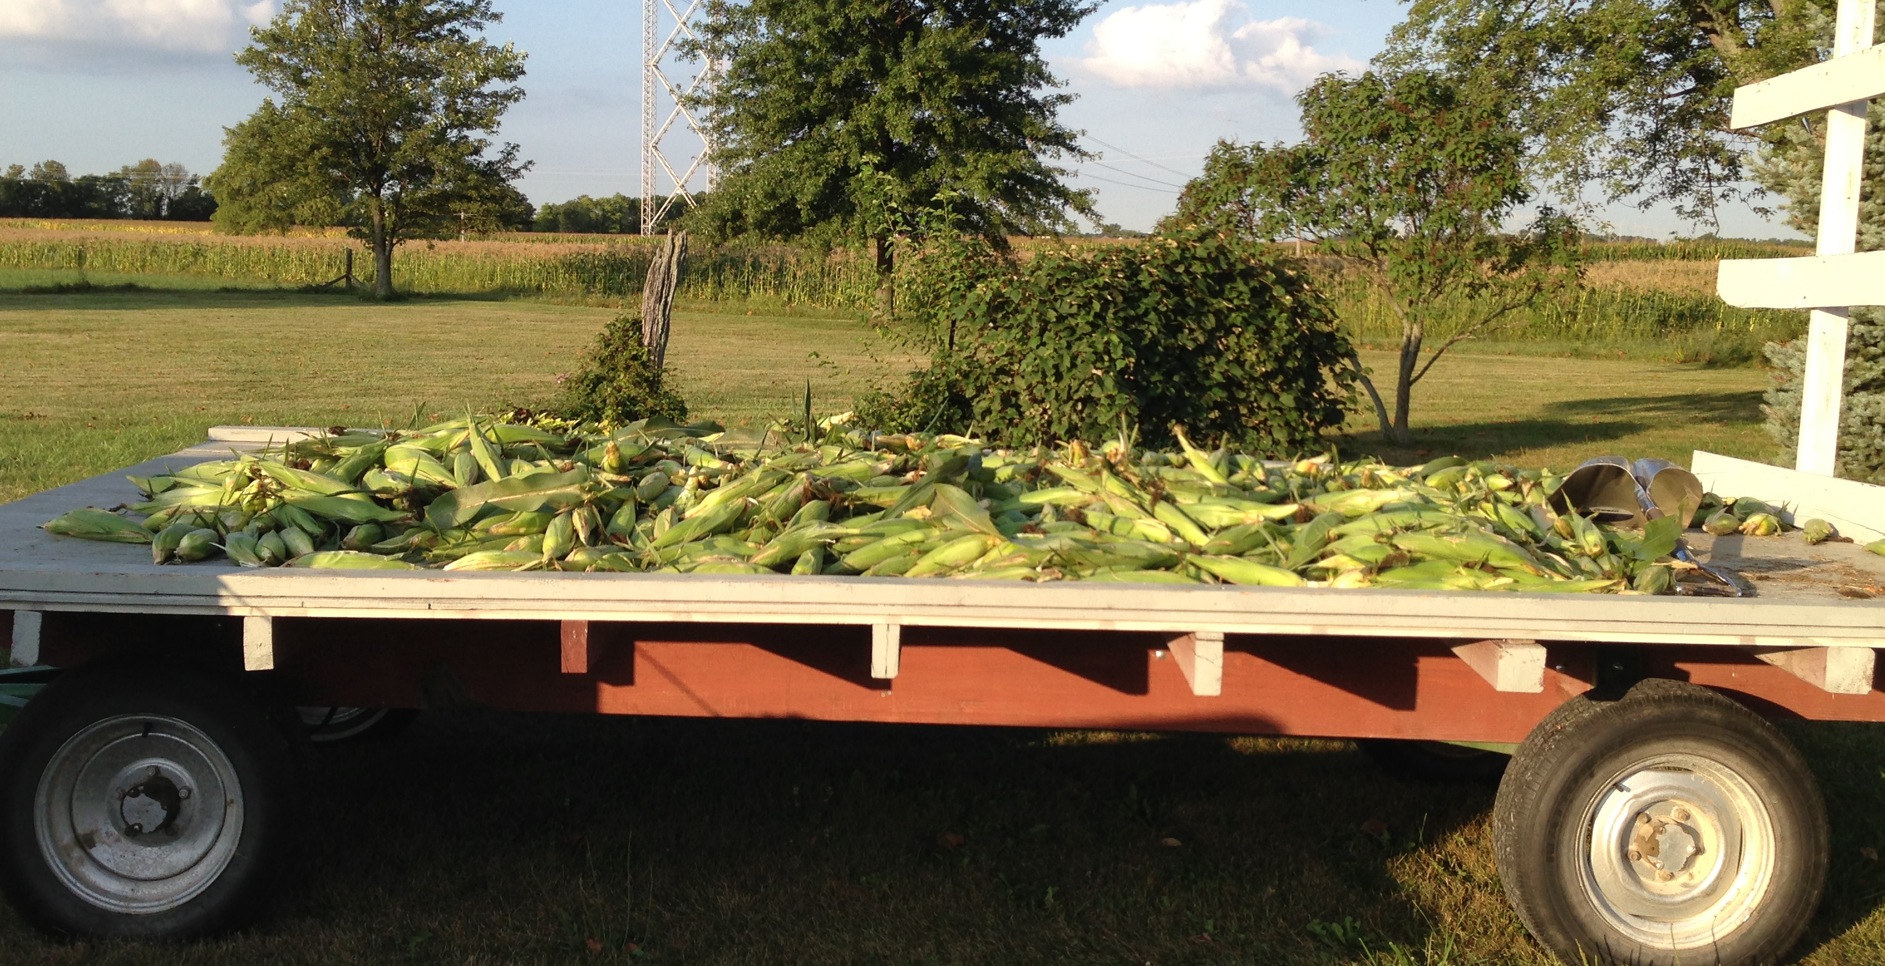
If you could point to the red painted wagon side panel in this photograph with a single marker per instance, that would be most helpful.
(1375, 688)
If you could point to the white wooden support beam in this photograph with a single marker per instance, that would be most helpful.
(1200, 656)
(258, 643)
(1856, 77)
(1510, 666)
(25, 645)
(1835, 670)
(1857, 509)
(1837, 280)
(1809, 282)
(886, 650)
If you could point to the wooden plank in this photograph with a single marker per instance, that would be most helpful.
(1820, 281)
(575, 641)
(1854, 77)
(1822, 389)
(1857, 509)
(1822, 392)
(1509, 666)
(25, 643)
(1200, 657)
(1835, 670)
(258, 642)
(886, 650)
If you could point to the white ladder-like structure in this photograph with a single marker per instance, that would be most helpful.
(1829, 282)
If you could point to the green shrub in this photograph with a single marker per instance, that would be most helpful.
(1861, 417)
(1194, 328)
(619, 381)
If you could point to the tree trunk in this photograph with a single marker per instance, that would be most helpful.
(886, 278)
(657, 296)
(1361, 375)
(1411, 335)
(382, 255)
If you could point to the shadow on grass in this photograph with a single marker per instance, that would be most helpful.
(488, 837)
(1568, 422)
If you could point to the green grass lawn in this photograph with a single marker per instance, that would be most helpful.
(98, 380)
(482, 838)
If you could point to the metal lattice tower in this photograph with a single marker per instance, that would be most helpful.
(654, 83)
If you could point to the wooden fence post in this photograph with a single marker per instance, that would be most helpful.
(657, 295)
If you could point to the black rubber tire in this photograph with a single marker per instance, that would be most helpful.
(1548, 802)
(263, 757)
(331, 726)
(1434, 761)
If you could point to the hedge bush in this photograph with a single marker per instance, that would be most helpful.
(1190, 327)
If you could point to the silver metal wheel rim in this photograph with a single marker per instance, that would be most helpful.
(107, 782)
(1679, 852)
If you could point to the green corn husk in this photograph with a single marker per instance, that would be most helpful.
(94, 524)
(164, 544)
(1721, 523)
(350, 560)
(1818, 531)
(296, 542)
(1877, 547)
(198, 544)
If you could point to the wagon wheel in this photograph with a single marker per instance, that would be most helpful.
(1670, 826)
(144, 801)
(327, 725)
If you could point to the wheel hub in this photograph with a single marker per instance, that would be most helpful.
(1680, 849)
(151, 805)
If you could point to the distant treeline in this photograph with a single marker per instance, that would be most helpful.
(617, 214)
(146, 191)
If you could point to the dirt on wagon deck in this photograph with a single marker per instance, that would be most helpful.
(1785, 565)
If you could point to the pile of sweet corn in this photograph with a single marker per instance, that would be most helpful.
(481, 493)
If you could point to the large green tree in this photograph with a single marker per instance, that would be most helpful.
(1629, 95)
(858, 118)
(384, 123)
(1410, 179)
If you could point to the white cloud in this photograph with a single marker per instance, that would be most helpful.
(1208, 44)
(169, 26)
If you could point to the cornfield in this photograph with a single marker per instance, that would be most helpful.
(608, 267)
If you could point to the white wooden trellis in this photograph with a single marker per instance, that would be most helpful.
(1836, 278)
(1830, 282)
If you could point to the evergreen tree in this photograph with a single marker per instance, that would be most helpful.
(1791, 165)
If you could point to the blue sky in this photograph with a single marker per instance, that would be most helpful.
(102, 83)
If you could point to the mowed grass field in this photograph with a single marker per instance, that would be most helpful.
(486, 838)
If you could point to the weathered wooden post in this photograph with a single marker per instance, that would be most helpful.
(657, 295)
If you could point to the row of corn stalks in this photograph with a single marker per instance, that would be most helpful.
(485, 494)
(763, 275)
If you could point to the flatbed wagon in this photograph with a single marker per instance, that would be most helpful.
(1651, 812)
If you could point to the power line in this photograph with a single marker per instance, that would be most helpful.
(1128, 184)
(1135, 174)
(1135, 157)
